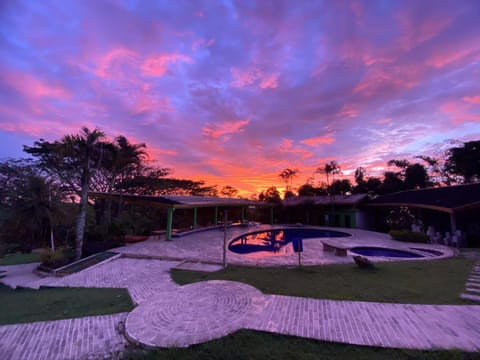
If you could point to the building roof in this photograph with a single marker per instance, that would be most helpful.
(176, 201)
(325, 200)
(447, 199)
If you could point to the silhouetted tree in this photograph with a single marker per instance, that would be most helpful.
(340, 187)
(287, 175)
(391, 183)
(416, 177)
(271, 195)
(73, 159)
(228, 191)
(464, 161)
(330, 169)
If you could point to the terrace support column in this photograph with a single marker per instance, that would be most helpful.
(243, 214)
(194, 218)
(271, 216)
(453, 223)
(215, 219)
(169, 223)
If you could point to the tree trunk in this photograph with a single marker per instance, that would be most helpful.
(80, 225)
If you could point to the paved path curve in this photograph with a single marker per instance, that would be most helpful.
(203, 307)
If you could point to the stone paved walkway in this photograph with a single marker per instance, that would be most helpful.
(167, 314)
(81, 338)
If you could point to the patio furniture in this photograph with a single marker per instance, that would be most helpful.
(363, 262)
(338, 249)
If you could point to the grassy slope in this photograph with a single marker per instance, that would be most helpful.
(246, 345)
(28, 305)
(416, 282)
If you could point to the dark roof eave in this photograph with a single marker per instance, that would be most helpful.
(164, 202)
(414, 205)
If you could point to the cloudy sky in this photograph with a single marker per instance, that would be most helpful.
(233, 92)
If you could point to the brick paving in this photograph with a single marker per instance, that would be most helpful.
(194, 314)
(170, 315)
(144, 279)
(92, 337)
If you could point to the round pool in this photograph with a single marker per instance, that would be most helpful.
(377, 251)
(278, 241)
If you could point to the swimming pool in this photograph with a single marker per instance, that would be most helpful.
(278, 241)
(384, 252)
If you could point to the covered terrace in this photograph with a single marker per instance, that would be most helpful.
(461, 203)
(175, 202)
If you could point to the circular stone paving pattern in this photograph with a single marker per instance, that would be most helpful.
(193, 314)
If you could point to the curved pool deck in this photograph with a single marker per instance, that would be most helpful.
(207, 246)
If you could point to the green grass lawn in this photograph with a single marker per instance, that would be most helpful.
(415, 282)
(15, 259)
(27, 305)
(246, 345)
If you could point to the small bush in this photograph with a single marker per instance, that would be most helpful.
(58, 258)
(409, 236)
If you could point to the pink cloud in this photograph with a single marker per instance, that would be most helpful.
(321, 140)
(111, 65)
(379, 79)
(202, 43)
(253, 75)
(447, 57)
(472, 99)
(459, 113)
(269, 82)
(384, 121)
(158, 65)
(416, 31)
(224, 129)
(32, 87)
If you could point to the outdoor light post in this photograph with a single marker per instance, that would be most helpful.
(225, 218)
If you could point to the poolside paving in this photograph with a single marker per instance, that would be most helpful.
(207, 246)
(173, 315)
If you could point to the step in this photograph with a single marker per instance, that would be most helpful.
(472, 290)
(470, 297)
(472, 284)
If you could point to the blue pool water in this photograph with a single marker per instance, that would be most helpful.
(376, 251)
(277, 242)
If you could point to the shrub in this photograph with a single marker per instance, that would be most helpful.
(58, 258)
(409, 236)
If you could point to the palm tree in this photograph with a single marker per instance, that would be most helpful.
(331, 168)
(288, 175)
(124, 161)
(34, 211)
(73, 160)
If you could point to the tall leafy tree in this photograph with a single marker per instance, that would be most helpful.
(416, 177)
(73, 160)
(30, 204)
(228, 191)
(464, 161)
(340, 187)
(329, 169)
(391, 183)
(271, 195)
(287, 175)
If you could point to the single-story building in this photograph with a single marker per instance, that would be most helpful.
(447, 209)
(177, 202)
(332, 210)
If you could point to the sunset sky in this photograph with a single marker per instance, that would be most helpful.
(233, 92)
